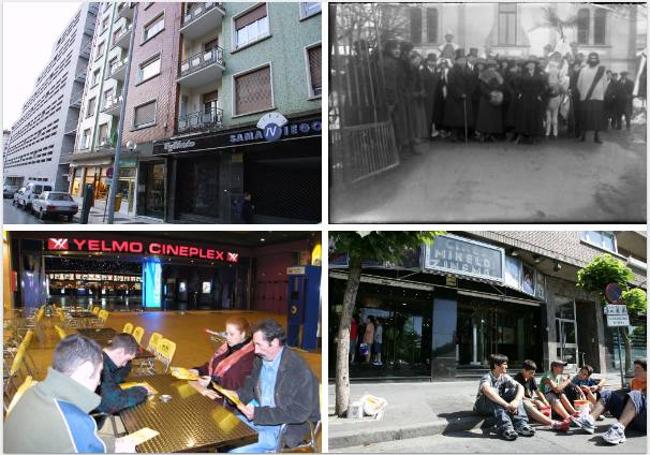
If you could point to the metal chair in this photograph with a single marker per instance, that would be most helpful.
(165, 352)
(128, 328)
(310, 443)
(138, 333)
(147, 366)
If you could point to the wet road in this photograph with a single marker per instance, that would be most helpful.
(15, 215)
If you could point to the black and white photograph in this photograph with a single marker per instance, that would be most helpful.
(487, 112)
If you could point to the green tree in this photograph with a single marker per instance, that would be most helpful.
(600, 272)
(383, 246)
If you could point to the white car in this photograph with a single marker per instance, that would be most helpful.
(54, 203)
(25, 196)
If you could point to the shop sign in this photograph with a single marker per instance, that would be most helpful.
(451, 254)
(140, 247)
(270, 128)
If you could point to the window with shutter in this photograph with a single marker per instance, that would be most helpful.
(253, 91)
(432, 25)
(103, 133)
(91, 107)
(251, 26)
(154, 27)
(583, 26)
(150, 68)
(145, 115)
(416, 25)
(600, 26)
(314, 54)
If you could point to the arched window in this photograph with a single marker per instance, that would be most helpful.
(600, 26)
(432, 25)
(416, 25)
(583, 26)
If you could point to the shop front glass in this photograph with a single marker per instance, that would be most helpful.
(489, 326)
(76, 181)
(126, 188)
(565, 331)
(405, 317)
(152, 194)
(197, 188)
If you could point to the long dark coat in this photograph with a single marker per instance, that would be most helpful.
(439, 102)
(459, 98)
(430, 80)
(511, 89)
(490, 117)
(416, 108)
(396, 97)
(530, 104)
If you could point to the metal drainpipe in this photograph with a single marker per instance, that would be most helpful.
(120, 127)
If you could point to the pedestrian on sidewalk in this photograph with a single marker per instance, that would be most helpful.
(376, 346)
(537, 408)
(500, 396)
(369, 336)
(354, 327)
(628, 407)
(592, 85)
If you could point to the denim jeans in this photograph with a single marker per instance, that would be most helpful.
(504, 419)
(267, 438)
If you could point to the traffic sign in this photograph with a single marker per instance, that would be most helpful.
(613, 293)
(615, 309)
(617, 316)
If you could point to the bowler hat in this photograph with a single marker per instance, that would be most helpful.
(460, 53)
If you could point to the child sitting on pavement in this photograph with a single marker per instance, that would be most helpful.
(591, 387)
(500, 396)
(559, 391)
(535, 401)
(628, 407)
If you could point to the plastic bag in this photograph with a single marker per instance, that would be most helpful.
(373, 406)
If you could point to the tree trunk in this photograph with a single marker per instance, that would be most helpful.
(343, 346)
(627, 343)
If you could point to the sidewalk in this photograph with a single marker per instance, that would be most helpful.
(97, 215)
(415, 409)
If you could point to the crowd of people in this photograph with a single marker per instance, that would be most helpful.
(560, 401)
(274, 385)
(462, 97)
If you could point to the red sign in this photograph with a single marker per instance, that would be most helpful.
(138, 247)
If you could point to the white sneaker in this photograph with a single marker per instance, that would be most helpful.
(615, 434)
(585, 421)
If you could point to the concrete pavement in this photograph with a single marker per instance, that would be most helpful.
(557, 181)
(422, 415)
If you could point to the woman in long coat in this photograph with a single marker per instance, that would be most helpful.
(417, 114)
(530, 106)
(458, 106)
(489, 121)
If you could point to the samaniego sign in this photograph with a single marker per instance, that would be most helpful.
(140, 247)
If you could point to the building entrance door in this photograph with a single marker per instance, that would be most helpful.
(151, 191)
(566, 332)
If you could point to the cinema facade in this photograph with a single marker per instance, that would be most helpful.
(448, 306)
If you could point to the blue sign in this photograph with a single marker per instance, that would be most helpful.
(151, 283)
(272, 132)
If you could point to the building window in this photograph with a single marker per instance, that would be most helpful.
(210, 102)
(95, 78)
(600, 26)
(600, 239)
(507, 24)
(103, 134)
(108, 96)
(251, 26)
(85, 139)
(154, 27)
(145, 115)
(253, 91)
(314, 58)
(432, 25)
(105, 23)
(583, 26)
(91, 107)
(100, 50)
(116, 34)
(209, 45)
(150, 68)
(308, 9)
(416, 24)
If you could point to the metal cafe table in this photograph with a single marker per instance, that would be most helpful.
(104, 336)
(187, 421)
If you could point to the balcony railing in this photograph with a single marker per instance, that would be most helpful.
(76, 103)
(200, 121)
(125, 9)
(112, 105)
(124, 38)
(118, 70)
(199, 9)
(201, 60)
(85, 51)
(80, 76)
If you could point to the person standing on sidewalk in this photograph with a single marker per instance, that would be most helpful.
(369, 336)
(500, 396)
(591, 85)
(354, 333)
(376, 347)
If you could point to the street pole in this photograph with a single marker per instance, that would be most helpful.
(620, 359)
(120, 125)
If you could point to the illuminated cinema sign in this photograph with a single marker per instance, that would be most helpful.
(139, 247)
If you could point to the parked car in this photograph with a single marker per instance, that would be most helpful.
(9, 190)
(32, 191)
(54, 203)
(18, 195)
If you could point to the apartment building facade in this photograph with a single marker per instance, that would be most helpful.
(42, 139)
(201, 73)
(447, 306)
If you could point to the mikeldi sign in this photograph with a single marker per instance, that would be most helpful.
(141, 247)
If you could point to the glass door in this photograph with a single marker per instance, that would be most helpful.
(151, 191)
(566, 332)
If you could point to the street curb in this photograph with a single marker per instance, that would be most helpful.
(352, 438)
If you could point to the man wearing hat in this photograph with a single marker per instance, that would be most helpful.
(591, 86)
(530, 108)
(489, 121)
(459, 116)
(430, 77)
(448, 49)
(624, 96)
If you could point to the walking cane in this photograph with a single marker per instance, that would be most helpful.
(465, 117)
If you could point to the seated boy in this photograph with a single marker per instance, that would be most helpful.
(589, 386)
(629, 408)
(500, 396)
(534, 400)
(555, 387)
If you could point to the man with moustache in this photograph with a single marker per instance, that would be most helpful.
(591, 86)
